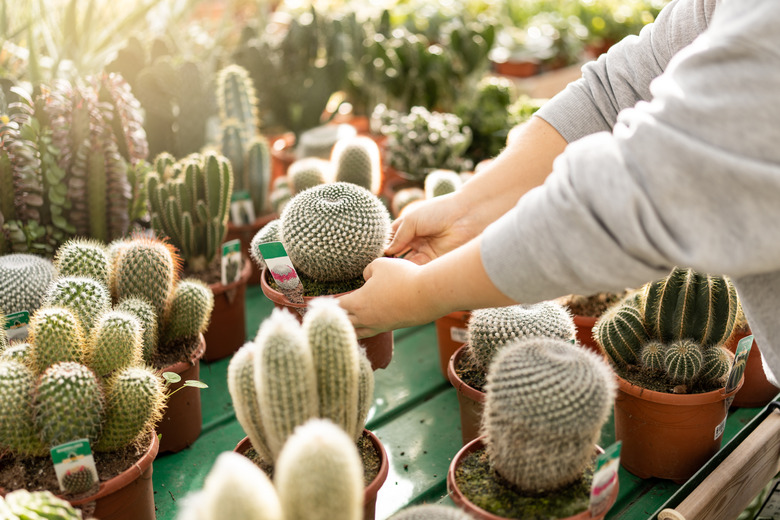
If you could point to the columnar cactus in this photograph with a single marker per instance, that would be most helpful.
(144, 313)
(243, 392)
(441, 182)
(621, 332)
(84, 257)
(268, 233)
(58, 335)
(356, 160)
(431, 512)
(307, 173)
(115, 343)
(546, 401)
(190, 310)
(86, 297)
(23, 281)
(333, 231)
(491, 329)
(257, 172)
(365, 393)
(236, 99)
(17, 428)
(37, 505)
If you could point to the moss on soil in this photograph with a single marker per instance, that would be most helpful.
(470, 372)
(314, 288)
(659, 382)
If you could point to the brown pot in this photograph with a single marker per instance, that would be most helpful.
(470, 400)
(584, 328)
(227, 328)
(451, 334)
(282, 154)
(665, 435)
(480, 514)
(757, 391)
(379, 348)
(245, 234)
(371, 490)
(517, 69)
(182, 420)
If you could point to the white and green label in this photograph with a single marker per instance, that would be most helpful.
(231, 261)
(605, 478)
(16, 325)
(740, 360)
(72, 457)
(242, 211)
(279, 265)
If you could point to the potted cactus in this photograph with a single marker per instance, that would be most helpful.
(189, 202)
(532, 460)
(488, 332)
(292, 373)
(331, 232)
(756, 391)
(666, 345)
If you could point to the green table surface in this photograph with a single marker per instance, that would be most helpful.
(415, 415)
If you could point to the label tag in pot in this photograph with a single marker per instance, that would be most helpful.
(605, 478)
(16, 325)
(242, 211)
(740, 360)
(281, 269)
(231, 261)
(74, 466)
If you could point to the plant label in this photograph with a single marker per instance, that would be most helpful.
(74, 461)
(282, 271)
(242, 211)
(16, 325)
(740, 360)
(231, 261)
(605, 478)
(459, 334)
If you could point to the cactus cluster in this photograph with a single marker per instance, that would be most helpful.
(546, 402)
(24, 280)
(676, 326)
(22, 504)
(292, 373)
(189, 202)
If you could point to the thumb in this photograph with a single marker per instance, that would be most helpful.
(404, 234)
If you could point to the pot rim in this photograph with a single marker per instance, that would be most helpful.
(653, 396)
(587, 321)
(196, 355)
(246, 271)
(460, 385)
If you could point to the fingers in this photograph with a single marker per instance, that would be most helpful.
(402, 235)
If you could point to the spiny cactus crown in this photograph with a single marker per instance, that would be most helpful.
(86, 297)
(18, 433)
(546, 401)
(441, 182)
(57, 335)
(307, 173)
(333, 231)
(115, 343)
(268, 233)
(84, 257)
(23, 282)
(144, 313)
(431, 512)
(236, 99)
(190, 310)
(491, 329)
(37, 504)
(356, 160)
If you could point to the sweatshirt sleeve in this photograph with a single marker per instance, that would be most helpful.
(691, 178)
(621, 77)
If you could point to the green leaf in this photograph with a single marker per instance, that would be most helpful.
(171, 377)
(195, 383)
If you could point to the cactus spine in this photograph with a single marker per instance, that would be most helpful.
(17, 428)
(83, 257)
(683, 360)
(115, 343)
(86, 297)
(190, 310)
(546, 401)
(57, 335)
(356, 160)
(23, 281)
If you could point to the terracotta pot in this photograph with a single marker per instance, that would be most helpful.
(182, 420)
(584, 328)
(227, 328)
(668, 436)
(517, 69)
(371, 490)
(282, 154)
(757, 391)
(451, 334)
(394, 180)
(480, 514)
(379, 348)
(127, 496)
(470, 400)
(245, 234)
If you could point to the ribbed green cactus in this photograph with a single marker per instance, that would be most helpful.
(37, 505)
(68, 404)
(257, 172)
(135, 398)
(304, 474)
(192, 208)
(17, 428)
(78, 481)
(86, 297)
(17, 352)
(23, 281)
(236, 99)
(83, 257)
(232, 146)
(716, 364)
(683, 360)
(241, 385)
(190, 310)
(652, 355)
(491, 329)
(307, 173)
(690, 305)
(144, 313)
(621, 332)
(431, 512)
(268, 233)
(356, 160)
(333, 231)
(115, 343)
(441, 182)
(57, 335)
(546, 402)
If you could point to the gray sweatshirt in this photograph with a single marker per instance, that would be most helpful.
(673, 160)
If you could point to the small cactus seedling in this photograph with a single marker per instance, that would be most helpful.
(683, 360)
(84, 257)
(86, 297)
(431, 512)
(356, 160)
(652, 355)
(307, 173)
(441, 182)
(23, 281)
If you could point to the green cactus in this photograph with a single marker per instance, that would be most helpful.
(403, 198)
(241, 385)
(78, 481)
(115, 343)
(257, 168)
(441, 182)
(37, 505)
(307, 173)
(356, 160)
(86, 297)
(236, 99)
(57, 335)
(431, 512)
(690, 305)
(333, 231)
(279, 197)
(135, 398)
(620, 331)
(304, 472)
(546, 402)
(190, 310)
(17, 428)
(3, 334)
(651, 355)
(83, 257)
(268, 233)
(144, 313)
(365, 393)
(23, 281)
(683, 360)
(192, 208)
(68, 404)
(232, 146)
(716, 364)
(492, 329)
(20, 352)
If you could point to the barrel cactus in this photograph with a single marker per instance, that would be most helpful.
(621, 333)
(716, 364)
(356, 160)
(441, 182)
(546, 402)
(683, 360)
(83, 257)
(307, 173)
(24, 279)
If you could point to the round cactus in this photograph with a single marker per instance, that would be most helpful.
(135, 398)
(144, 313)
(23, 282)
(84, 257)
(546, 401)
(21, 352)
(114, 343)
(404, 198)
(651, 355)
(332, 232)
(683, 360)
(241, 385)
(431, 512)
(491, 329)
(716, 364)
(17, 429)
(57, 335)
(356, 160)
(68, 404)
(279, 197)
(620, 332)
(190, 310)
(78, 481)
(307, 173)
(86, 297)
(304, 472)
(441, 182)
(268, 233)
(38, 505)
